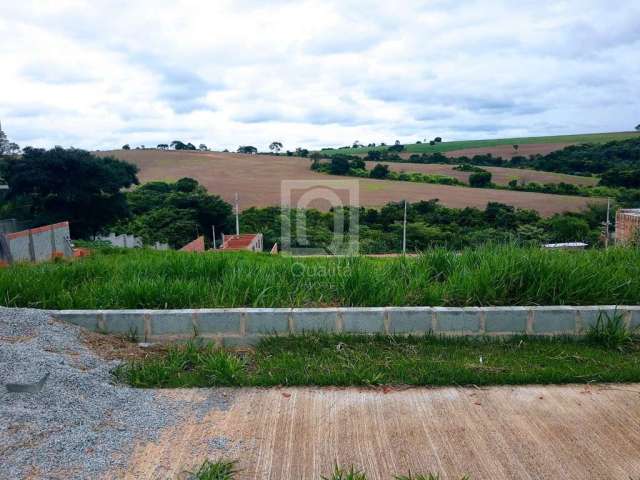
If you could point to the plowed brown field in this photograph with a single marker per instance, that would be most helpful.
(257, 178)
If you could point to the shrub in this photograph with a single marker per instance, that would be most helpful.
(480, 179)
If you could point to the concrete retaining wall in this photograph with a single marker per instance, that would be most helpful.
(38, 244)
(245, 326)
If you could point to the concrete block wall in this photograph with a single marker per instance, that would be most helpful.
(39, 244)
(245, 326)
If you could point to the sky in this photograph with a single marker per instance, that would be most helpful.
(98, 74)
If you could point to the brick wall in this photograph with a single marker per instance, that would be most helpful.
(627, 225)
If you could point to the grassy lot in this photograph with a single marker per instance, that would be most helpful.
(352, 360)
(499, 275)
(460, 145)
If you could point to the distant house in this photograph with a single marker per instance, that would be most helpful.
(245, 241)
(627, 226)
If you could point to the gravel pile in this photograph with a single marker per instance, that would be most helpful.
(80, 425)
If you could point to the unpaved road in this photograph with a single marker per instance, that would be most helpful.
(556, 432)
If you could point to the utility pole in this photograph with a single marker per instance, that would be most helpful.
(213, 228)
(237, 217)
(404, 230)
(606, 233)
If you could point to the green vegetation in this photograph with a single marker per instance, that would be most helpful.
(340, 473)
(617, 163)
(359, 360)
(463, 144)
(430, 224)
(611, 332)
(174, 213)
(221, 470)
(49, 186)
(498, 275)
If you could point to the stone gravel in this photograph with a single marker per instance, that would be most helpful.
(81, 425)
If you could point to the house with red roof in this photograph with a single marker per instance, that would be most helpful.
(251, 242)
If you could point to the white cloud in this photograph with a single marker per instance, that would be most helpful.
(97, 74)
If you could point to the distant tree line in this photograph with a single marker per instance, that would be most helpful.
(44, 188)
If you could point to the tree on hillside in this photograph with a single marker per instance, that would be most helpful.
(339, 165)
(202, 147)
(379, 171)
(275, 147)
(162, 146)
(638, 127)
(247, 149)
(480, 179)
(49, 186)
(302, 152)
(438, 139)
(126, 147)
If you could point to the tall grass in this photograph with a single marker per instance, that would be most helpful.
(498, 275)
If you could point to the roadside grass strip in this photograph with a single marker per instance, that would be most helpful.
(320, 359)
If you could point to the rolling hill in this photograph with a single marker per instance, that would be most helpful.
(257, 178)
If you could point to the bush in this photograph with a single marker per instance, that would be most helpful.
(380, 171)
(480, 179)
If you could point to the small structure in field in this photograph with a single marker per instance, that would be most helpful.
(196, 245)
(627, 226)
(36, 244)
(566, 246)
(245, 241)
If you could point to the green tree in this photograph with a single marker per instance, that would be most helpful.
(380, 171)
(275, 147)
(566, 228)
(339, 165)
(247, 149)
(126, 147)
(480, 179)
(48, 186)
(175, 212)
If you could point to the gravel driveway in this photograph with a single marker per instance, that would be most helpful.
(80, 425)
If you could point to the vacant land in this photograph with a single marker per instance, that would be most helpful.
(483, 276)
(362, 360)
(501, 175)
(540, 145)
(257, 178)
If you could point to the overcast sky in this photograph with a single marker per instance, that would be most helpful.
(98, 74)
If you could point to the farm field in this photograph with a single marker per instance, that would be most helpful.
(257, 178)
(504, 146)
(501, 175)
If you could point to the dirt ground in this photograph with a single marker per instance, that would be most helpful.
(258, 179)
(533, 432)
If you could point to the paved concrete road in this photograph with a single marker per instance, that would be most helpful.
(556, 432)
